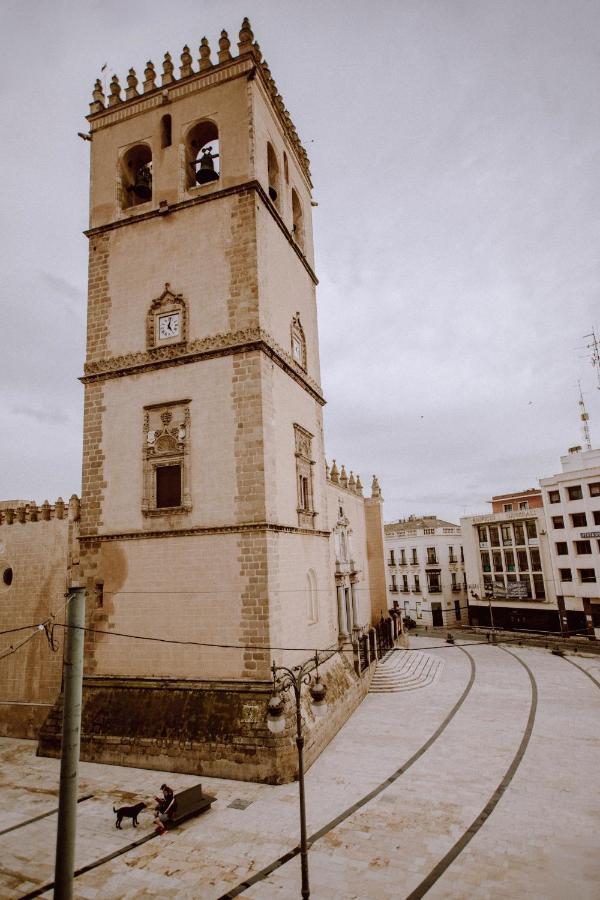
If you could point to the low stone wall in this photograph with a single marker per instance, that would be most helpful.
(214, 729)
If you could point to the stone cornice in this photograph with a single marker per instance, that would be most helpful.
(201, 529)
(202, 348)
(252, 185)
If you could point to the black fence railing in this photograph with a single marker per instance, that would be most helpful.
(377, 641)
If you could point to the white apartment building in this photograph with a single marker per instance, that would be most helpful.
(572, 504)
(508, 565)
(426, 576)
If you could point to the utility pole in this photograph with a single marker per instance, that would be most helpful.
(69, 756)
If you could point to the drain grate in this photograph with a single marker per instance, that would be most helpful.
(239, 804)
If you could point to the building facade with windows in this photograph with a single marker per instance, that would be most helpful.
(572, 503)
(207, 511)
(509, 571)
(426, 574)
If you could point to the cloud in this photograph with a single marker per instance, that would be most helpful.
(72, 296)
(52, 416)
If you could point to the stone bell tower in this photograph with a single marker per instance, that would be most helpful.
(204, 512)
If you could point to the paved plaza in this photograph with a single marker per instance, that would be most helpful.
(483, 783)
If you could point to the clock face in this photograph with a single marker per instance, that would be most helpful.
(297, 350)
(168, 326)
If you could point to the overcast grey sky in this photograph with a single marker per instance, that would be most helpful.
(455, 151)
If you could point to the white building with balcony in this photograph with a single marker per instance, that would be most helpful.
(572, 504)
(508, 566)
(426, 575)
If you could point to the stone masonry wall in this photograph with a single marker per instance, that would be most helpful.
(39, 547)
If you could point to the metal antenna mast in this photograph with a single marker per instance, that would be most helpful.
(585, 428)
(594, 346)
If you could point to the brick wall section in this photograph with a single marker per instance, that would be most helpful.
(241, 255)
(93, 483)
(254, 611)
(98, 298)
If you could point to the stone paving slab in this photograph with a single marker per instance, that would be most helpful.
(541, 834)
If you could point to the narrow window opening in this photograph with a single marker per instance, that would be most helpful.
(273, 174)
(286, 173)
(165, 131)
(297, 220)
(168, 486)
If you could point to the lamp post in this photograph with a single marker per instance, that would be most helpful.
(285, 679)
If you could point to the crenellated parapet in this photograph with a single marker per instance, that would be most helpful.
(23, 512)
(248, 50)
(341, 479)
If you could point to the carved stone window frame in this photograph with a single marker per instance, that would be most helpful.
(297, 336)
(304, 477)
(166, 443)
(167, 304)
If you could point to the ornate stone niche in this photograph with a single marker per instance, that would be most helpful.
(298, 342)
(166, 322)
(304, 477)
(166, 459)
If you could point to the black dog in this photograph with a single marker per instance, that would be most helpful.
(129, 812)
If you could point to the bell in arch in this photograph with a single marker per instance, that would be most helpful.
(142, 187)
(206, 172)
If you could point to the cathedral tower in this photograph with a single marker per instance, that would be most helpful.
(204, 508)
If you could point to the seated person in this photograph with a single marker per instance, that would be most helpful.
(165, 807)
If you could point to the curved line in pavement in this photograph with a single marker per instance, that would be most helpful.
(490, 806)
(581, 669)
(276, 864)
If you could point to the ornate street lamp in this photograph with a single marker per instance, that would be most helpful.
(285, 679)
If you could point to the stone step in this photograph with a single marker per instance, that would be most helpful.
(404, 670)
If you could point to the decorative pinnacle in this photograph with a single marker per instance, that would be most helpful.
(115, 92)
(246, 38)
(343, 477)
(335, 474)
(267, 73)
(98, 97)
(224, 45)
(359, 487)
(186, 63)
(132, 83)
(375, 489)
(352, 481)
(168, 67)
(204, 60)
(150, 76)
(257, 51)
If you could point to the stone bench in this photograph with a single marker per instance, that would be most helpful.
(190, 802)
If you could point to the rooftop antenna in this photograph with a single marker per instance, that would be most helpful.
(594, 346)
(585, 428)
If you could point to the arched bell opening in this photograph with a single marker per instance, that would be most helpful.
(297, 220)
(136, 176)
(273, 175)
(202, 149)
